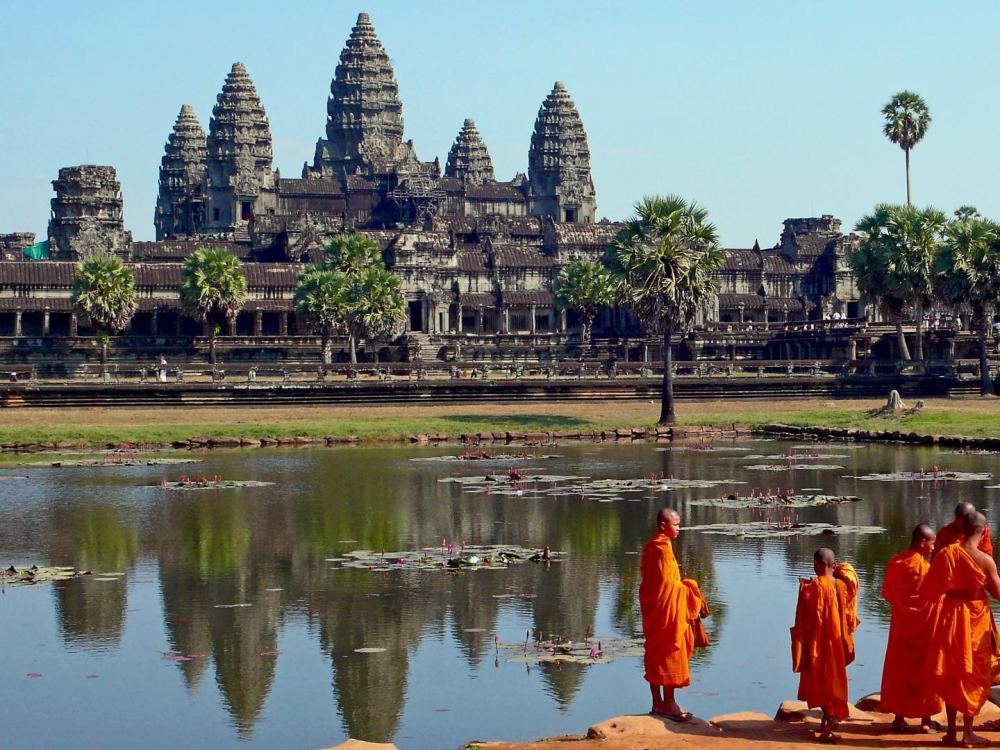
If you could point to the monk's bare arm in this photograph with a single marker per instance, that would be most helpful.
(992, 579)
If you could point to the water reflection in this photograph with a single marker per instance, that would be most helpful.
(268, 547)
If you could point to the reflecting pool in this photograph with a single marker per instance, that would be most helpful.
(150, 651)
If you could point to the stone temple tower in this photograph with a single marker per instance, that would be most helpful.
(364, 123)
(88, 214)
(559, 162)
(468, 159)
(238, 162)
(180, 208)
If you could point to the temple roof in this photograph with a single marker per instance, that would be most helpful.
(468, 159)
(559, 156)
(183, 162)
(238, 132)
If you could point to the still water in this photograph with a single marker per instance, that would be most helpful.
(284, 672)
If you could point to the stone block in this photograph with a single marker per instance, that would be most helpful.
(796, 711)
(359, 745)
(742, 721)
(224, 442)
(871, 702)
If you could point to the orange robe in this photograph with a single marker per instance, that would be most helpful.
(953, 534)
(670, 611)
(910, 629)
(960, 653)
(823, 644)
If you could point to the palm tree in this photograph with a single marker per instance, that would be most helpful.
(905, 241)
(663, 261)
(351, 253)
(104, 292)
(376, 309)
(965, 213)
(906, 121)
(212, 286)
(585, 287)
(869, 263)
(320, 301)
(967, 270)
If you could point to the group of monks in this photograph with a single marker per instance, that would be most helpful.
(943, 649)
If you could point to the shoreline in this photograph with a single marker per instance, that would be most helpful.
(970, 423)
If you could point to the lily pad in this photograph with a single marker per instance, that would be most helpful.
(210, 484)
(449, 558)
(113, 463)
(487, 456)
(792, 467)
(369, 650)
(34, 575)
(592, 650)
(781, 529)
(939, 475)
(776, 501)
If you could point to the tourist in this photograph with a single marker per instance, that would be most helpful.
(13, 377)
(962, 646)
(954, 532)
(823, 638)
(163, 369)
(672, 609)
(913, 617)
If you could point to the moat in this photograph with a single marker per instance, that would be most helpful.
(152, 648)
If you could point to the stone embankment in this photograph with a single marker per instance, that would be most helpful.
(876, 436)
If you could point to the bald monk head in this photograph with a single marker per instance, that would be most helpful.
(975, 525)
(923, 539)
(668, 521)
(964, 509)
(824, 561)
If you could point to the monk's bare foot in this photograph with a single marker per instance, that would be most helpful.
(950, 739)
(970, 739)
(898, 724)
(827, 737)
(929, 726)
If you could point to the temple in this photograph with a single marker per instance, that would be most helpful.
(477, 255)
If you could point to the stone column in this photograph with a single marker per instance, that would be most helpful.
(283, 325)
(741, 314)
(74, 324)
(231, 326)
(46, 323)
(479, 321)
(506, 320)
(852, 352)
(563, 321)
(258, 323)
(154, 325)
(532, 324)
(458, 323)
(17, 323)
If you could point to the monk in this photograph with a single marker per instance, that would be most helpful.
(823, 639)
(952, 533)
(913, 619)
(671, 611)
(960, 653)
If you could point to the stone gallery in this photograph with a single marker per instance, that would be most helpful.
(477, 256)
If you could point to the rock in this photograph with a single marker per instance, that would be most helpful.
(249, 443)
(994, 696)
(359, 745)
(743, 720)
(797, 711)
(871, 702)
(198, 440)
(989, 712)
(856, 714)
(646, 726)
(268, 441)
(221, 442)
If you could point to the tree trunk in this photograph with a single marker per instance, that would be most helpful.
(354, 349)
(374, 349)
(585, 323)
(211, 345)
(907, 152)
(918, 314)
(104, 358)
(985, 381)
(667, 415)
(325, 350)
(904, 350)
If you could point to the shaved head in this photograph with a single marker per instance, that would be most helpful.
(666, 515)
(975, 523)
(825, 556)
(922, 533)
(964, 509)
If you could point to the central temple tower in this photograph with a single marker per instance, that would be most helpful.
(364, 123)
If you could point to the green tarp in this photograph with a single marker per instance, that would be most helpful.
(38, 251)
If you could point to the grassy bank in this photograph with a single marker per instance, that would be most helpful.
(972, 417)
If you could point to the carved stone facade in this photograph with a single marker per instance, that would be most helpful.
(238, 156)
(180, 204)
(559, 162)
(87, 214)
(468, 159)
(12, 246)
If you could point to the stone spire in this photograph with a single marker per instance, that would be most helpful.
(88, 214)
(179, 205)
(239, 152)
(468, 159)
(364, 113)
(559, 162)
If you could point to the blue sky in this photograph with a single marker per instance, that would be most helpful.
(758, 110)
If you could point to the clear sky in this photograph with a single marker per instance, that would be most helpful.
(758, 110)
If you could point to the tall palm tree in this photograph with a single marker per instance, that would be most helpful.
(663, 261)
(213, 286)
(376, 308)
(907, 119)
(320, 301)
(967, 270)
(104, 292)
(585, 287)
(905, 240)
(869, 263)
